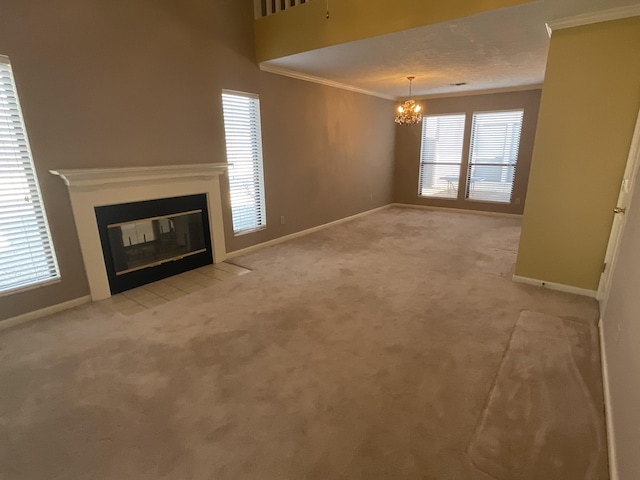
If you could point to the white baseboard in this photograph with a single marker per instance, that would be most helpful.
(302, 233)
(556, 286)
(457, 210)
(611, 439)
(43, 312)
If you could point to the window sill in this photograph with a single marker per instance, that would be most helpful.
(492, 202)
(31, 286)
(437, 198)
(246, 232)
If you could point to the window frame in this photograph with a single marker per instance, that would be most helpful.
(459, 164)
(257, 189)
(38, 235)
(468, 187)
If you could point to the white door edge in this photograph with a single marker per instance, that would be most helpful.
(617, 229)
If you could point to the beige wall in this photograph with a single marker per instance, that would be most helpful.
(328, 153)
(107, 84)
(408, 144)
(621, 330)
(588, 109)
(305, 28)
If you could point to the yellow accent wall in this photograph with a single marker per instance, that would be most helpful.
(305, 27)
(589, 105)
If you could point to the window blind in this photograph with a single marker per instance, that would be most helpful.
(244, 155)
(441, 155)
(495, 140)
(27, 256)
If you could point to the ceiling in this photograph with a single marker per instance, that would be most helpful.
(503, 49)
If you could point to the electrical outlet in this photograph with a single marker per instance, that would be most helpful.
(282, 220)
(371, 196)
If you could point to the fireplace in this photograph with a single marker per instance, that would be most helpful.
(153, 239)
(143, 242)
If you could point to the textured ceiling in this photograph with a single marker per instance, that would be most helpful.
(503, 49)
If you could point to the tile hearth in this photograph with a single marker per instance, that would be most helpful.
(163, 291)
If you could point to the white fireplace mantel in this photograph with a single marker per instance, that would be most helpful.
(95, 187)
(95, 178)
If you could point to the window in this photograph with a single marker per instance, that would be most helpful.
(441, 155)
(495, 140)
(26, 251)
(244, 155)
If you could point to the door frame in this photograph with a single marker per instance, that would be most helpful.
(627, 188)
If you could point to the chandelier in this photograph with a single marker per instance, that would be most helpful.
(409, 113)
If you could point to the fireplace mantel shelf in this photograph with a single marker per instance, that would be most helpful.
(90, 178)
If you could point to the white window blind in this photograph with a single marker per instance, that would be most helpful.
(495, 140)
(244, 155)
(441, 155)
(26, 251)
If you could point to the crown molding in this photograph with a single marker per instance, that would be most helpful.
(331, 83)
(322, 81)
(488, 91)
(593, 17)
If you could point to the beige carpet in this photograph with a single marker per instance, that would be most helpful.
(368, 350)
(541, 421)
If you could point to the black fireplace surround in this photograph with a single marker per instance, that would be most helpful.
(143, 242)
